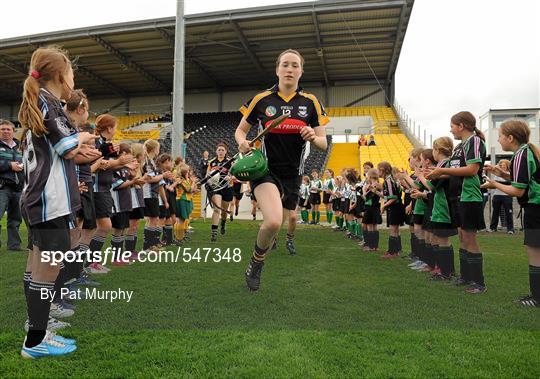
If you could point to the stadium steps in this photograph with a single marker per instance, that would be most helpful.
(196, 205)
(343, 155)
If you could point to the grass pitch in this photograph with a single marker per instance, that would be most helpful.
(330, 311)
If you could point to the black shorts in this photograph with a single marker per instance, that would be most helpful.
(418, 219)
(531, 225)
(372, 215)
(358, 210)
(303, 203)
(326, 198)
(315, 198)
(454, 212)
(225, 193)
(409, 218)
(120, 220)
(52, 235)
(237, 191)
(103, 203)
(426, 220)
(151, 207)
(87, 213)
(395, 214)
(471, 216)
(344, 205)
(443, 230)
(336, 205)
(168, 212)
(136, 214)
(288, 188)
(164, 212)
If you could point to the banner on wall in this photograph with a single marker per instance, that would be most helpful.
(136, 134)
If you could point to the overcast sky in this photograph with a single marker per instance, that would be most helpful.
(458, 54)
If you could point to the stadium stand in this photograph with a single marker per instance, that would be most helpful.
(391, 144)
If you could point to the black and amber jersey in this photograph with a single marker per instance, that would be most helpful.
(284, 147)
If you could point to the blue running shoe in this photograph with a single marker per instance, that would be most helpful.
(48, 347)
(63, 340)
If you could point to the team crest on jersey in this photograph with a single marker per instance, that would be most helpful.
(270, 111)
(61, 125)
(302, 111)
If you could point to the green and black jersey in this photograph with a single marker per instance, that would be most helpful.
(472, 150)
(420, 204)
(440, 212)
(329, 184)
(525, 174)
(391, 190)
(315, 186)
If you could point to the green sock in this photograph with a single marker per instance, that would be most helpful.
(318, 215)
(330, 216)
(327, 217)
(358, 230)
(313, 216)
(303, 215)
(338, 221)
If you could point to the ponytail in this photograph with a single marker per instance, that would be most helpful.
(30, 116)
(535, 151)
(479, 134)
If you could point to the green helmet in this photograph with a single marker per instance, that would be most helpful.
(250, 167)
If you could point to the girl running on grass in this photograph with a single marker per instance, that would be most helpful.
(285, 147)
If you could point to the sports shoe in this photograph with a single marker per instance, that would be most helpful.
(415, 263)
(50, 346)
(440, 278)
(529, 301)
(58, 310)
(95, 268)
(388, 255)
(421, 267)
(64, 340)
(461, 282)
(510, 232)
(231, 217)
(222, 229)
(289, 245)
(52, 325)
(476, 289)
(85, 280)
(253, 275)
(67, 305)
(213, 238)
(254, 217)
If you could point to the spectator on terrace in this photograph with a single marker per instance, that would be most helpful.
(203, 164)
(362, 141)
(371, 141)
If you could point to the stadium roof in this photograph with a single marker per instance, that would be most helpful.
(225, 50)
